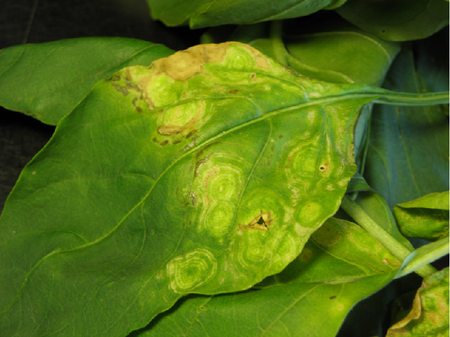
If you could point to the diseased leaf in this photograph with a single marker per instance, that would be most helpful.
(429, 314)
(208, 13)
(325, 47)
(47, 80)
(340, 265)
(204, 173)
(397, 20)
(408, 153)
(425, 217)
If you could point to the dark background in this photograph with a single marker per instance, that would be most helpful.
(35, 21)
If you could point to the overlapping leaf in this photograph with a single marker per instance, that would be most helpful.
(425, 217)
(208, 13)
(340, 265)
(47, 80)
(396, 20)
(429, 314)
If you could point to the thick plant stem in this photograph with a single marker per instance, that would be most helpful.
(377, 232)
(276, 28)
(412, 99)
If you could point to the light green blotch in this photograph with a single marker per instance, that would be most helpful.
(164, 91)
(218, 219)
(262, 199)
(308, 214)
(191, 270)
(288, 249)
(238, 57)
(217, 188)
(239, 65)
(226, 184)
(182, 114)
(254, 249)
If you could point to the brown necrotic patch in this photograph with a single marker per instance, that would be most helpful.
(261, 222)
(184, 64)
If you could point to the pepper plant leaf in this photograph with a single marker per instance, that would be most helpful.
(429, 314)
(425, 217)
(340, 265)
(204, 173)
(47, 80)
(396, 20)
(208, 13)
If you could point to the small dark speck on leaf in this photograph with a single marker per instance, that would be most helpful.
(332, 297)
(164, 143)
(191, 133)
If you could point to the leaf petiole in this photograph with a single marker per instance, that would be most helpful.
(376, 231)
(276, 28)
(410, 99)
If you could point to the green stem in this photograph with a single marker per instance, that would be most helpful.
(377, 232)
(276, 37)
(411, 99)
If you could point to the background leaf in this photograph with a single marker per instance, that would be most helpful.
(208, 13)
(397, 20)
(429, 315)
(326, 280)
(425, 217)
(322, 46)
(404, 141)
(85, 231)
(47, 80)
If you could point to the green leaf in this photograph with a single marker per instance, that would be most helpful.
(397, 20)
(204, 173)
(429, 314)
(424, 255)
(338, 52)
(425, 217)
(408, 151)
(209, 13)
(340, 265)
(47, 80)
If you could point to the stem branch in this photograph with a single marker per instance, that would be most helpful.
(377, 232)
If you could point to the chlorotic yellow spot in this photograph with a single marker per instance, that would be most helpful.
(305, 255)
(191, 270)
(309, 213)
